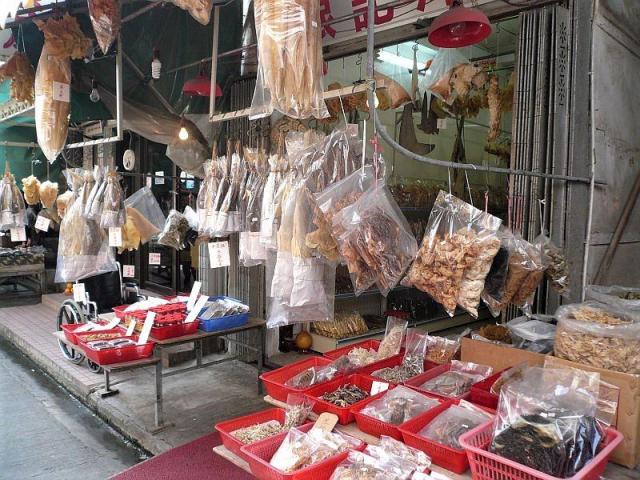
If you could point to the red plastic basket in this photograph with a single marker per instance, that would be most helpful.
(173, 331)
(489, 466)
(481, 392)
(452, 459)
(259, 454)
(119, 311)
(225, 428)
(367, 344)
(376, 427)
(116, 355)
(345, 415)
(73, 337)
(274, 381)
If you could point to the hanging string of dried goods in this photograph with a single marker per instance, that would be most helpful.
(63, 41)
(289, 37)
(20, 71)
(105, 19)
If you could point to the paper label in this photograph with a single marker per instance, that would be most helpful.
(42, 223)
(128, 271)
(79, 292)
(195, 291)
(197, 308)
(132, 327)
(219, 254)
(149, 182)
(115, 236)
(61, 92)
(441, 123)
(326, 421)
(377, 387)
(154, 259)
(352, 129)
(159, 178)
(146, 328)
(18, 234)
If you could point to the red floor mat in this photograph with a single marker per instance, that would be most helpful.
(192, 461)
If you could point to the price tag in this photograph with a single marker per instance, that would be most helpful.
(149, 182)
(115, 236)
(128, 271)
(61, 92)
(326, 421)
(146, 328)
(352, 129)
(219, 254)
(159, 178)
(377, 387)
(42, 223)
(132, 327)
(202, 301)
(441, 123)
(195, 291)
(79, 292)
(18, 234)
(154, 259)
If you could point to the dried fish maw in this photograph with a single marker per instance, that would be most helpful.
(18, 68)
(52, 105)
(64, 38)
(62, 202)
(105, 19)
(31, 189)
(48, 193)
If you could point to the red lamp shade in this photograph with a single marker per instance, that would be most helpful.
(459, 27)
(200, 87)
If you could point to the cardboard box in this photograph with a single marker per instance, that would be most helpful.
(499, 357)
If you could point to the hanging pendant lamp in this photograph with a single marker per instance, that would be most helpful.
(200, 86)
(459, 26)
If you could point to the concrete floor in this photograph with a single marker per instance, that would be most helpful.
(45, 433)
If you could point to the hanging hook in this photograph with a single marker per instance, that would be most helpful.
(469, 188)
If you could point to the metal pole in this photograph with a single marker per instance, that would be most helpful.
(152, 88)
(214, 60)
(119, 92)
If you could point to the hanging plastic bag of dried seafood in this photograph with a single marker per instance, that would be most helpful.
(48, 193)
(63, 40)
(558, 268)
(200, 10)
(290, 68)
(12, 208)
(62, 202)
(105, 19)
(175, 231)
(31, 189)
(18, 68)
(451, 74)
(113, 210)
(145, 213)
(190, 154)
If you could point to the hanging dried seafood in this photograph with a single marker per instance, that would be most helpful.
(48, 193)
(31, 189)
(495, 108)
(12, 208)
(290, 59)
(62, 202)
(175, 231)
(105, 19)
(63, 37)
(113, 212)
(19, 69)
(198, 9)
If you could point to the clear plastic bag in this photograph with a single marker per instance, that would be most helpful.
(494, 284)
(399, 405)
(439, 77)
(315, 375)
(397, 452)
(190, 154)
(415, 350)
(441, 350)
(360, 465)
(557, 269)
(12, 207)
(599, 335)
(547, 421)
(458, 380)
(105, 19)
(536, 333)
(512, 374)
(200, 10)
(290, 64)
(537, 265)
(394, 334)
(145, 203)
(278, 168)
(376, 238)
(620, 297)
(52, 103)
(450, 246)
(113, 210)
(257, 432)
(175, 231)
(299, 407)
(455, 421)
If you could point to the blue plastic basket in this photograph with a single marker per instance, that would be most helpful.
(223, 323)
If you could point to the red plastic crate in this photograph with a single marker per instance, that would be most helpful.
(173, 331)
(452, 459)
(259, 454)
(368, 345)
(377, 427)
(345, 415)
(116, 355)
(119, 311)
(489, 466)
(73, 337)
(481, 392)
(225, 428)
(274, 381)
(418, 380)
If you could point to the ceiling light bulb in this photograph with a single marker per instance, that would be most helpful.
(156, 65)
(94, 96)
(376, 101)
(183, 134)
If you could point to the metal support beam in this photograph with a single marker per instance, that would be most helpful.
(214, 61)
(6, 143)
(152, 88)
